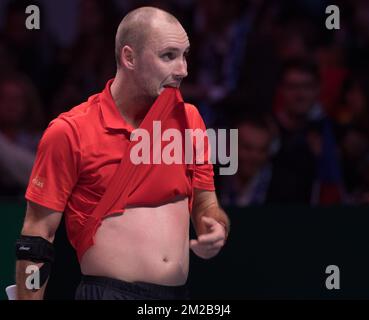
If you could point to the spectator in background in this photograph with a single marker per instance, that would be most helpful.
(306, 168)
(219, 41)
(236, 48)
(352, 129)
(89, 62)
(7, 60)
(21, 124)
(32, 50)
(276, 35)
(354, 149)
(249, 186)
(357, 39)
(92, 61)
(352, 108)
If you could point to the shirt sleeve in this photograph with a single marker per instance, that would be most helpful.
(56, 167)
(203, 176)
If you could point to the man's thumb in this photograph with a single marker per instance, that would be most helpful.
(193, 243)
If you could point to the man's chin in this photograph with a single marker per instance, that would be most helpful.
(161, 90)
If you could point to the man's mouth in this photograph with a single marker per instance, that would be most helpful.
(171, 85)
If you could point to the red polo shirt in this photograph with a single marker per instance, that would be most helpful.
(79, 153)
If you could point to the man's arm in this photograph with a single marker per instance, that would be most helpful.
(205, 203)
(211, 223)
(42, 222)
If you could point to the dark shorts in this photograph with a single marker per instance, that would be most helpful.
(103, 288)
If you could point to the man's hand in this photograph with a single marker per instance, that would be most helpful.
(209, 244)
(211, 224)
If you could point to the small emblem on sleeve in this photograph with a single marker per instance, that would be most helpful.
(38, 182)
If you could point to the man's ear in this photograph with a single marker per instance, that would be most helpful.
(127, 57)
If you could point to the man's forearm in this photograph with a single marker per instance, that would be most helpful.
(26, 280)
(35, 251)
(206, 204)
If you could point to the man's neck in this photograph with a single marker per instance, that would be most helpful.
(131, 105)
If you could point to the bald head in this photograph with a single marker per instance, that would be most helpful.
(135, 28)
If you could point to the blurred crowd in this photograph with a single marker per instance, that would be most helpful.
(297, 92)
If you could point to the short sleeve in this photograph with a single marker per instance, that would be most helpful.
(203, 176)
(56, 167)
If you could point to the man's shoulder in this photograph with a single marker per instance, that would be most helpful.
(71, 122)
(192, 112)
(190, 108)
(193, 115)
(85, 111)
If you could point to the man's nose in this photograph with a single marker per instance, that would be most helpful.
(181, 70)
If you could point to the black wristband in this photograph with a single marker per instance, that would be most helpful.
(34, 248)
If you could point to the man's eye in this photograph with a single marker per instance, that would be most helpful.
(168, 56)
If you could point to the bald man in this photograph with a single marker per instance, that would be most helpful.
(141, 252)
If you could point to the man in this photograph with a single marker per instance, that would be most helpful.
(306, 159)
(144, 252)
(249, 186)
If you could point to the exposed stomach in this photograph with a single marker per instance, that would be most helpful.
(149, 244)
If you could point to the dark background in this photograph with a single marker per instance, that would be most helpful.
(272, 253)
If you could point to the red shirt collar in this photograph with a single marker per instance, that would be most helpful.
(111, 116)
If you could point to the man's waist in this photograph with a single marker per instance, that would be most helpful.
(145, 289)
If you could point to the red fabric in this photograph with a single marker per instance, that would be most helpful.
(81, 150)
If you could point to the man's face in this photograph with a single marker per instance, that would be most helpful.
(253, 149)
(162, 61)
(300, 91)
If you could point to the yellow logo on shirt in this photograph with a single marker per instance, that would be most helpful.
(38, 182)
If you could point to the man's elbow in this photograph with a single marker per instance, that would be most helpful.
(31, 229)
(41, 222)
